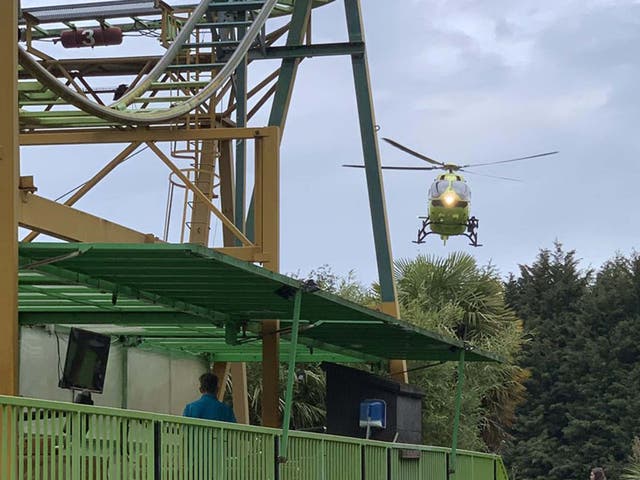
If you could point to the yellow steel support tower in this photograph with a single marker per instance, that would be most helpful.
(9, 174)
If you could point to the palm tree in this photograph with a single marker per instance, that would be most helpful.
(456, 297)
(308, 408)
(632, 472)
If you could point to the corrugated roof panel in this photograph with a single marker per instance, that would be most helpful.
(184, 287)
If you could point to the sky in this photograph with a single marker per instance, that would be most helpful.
(462, 82)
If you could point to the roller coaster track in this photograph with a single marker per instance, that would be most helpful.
(194, 68)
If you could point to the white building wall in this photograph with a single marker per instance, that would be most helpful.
(156, 383)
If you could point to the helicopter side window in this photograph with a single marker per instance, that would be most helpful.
(462, 189)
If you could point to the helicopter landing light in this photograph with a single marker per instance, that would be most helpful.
(449, 199)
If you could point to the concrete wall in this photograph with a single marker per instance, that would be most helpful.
(156, 382)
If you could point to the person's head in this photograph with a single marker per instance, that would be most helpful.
(597, 474)
(83, 398)
(208, 383)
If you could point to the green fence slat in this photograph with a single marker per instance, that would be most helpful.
(20, 427)
(68, 444)
(102, 446)
(4, 439)
(44, 442)
(29, 443)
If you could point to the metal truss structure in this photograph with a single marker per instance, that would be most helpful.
(196, 98)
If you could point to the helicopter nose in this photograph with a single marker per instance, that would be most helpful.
(449, 199)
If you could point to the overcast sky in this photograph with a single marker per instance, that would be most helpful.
(460, 81)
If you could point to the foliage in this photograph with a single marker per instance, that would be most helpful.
(632, 471)
(347, 287)
(585, 362)
(457, 298)
(308, 409)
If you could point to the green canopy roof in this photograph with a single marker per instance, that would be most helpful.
(191, 299)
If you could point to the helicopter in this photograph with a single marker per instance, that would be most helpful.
(450, 196)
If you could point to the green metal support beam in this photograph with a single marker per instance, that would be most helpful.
(291, 374)
(456, 417)
(241, 146)
(69, 317)
(371, 153)
(289, 67)
(125, 377)
(308, 51)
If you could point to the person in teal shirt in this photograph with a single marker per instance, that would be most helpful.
(209, 407)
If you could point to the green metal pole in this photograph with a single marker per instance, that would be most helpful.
(125, 376)
(241, 146)
(288, 399)
(289, 67)
(456, 417)
(371, 153)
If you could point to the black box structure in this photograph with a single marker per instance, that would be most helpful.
(347, 387)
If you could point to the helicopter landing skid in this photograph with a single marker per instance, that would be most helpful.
(471, 233)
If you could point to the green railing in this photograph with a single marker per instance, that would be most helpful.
(43, 440)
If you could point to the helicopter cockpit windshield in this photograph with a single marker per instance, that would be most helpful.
(438, 188)
(462, 189)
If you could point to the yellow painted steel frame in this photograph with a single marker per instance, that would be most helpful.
(121, 157)
(65, 222)
(9, 175)
(267, 234)
(9, 181)
(397, 368)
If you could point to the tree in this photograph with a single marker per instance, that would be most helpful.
(452, 296)
(585, 362)
(548, 296)
(612, 324)
(457, 298)
(308, 409)
(632, 471)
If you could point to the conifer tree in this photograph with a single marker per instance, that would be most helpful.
(584, 392)
(548, 296)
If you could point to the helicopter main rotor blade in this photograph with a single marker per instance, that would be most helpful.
(396, 168)
(412, 152)
(510, 160)
(491, 176)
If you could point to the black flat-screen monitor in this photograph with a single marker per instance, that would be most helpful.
(86, 362)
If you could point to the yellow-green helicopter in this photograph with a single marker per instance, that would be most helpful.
(449, 196)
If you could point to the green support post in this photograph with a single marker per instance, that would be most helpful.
(371, 153)
(125, 376)
(291, 374)
(241, 146)
(289, 67)
(456, 417)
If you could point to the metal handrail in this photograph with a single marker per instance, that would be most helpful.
(87, 431)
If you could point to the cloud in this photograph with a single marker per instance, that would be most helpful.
(463, 81)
